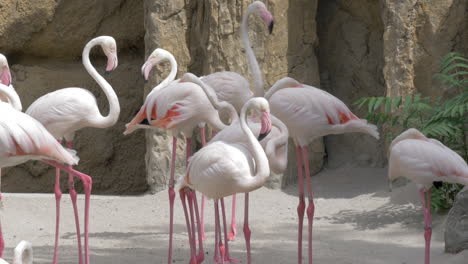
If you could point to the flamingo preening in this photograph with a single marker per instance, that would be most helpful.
(23, 254)
(234, 88)
(65, 111)
(424, 160)
(310, 113)
(221, 169)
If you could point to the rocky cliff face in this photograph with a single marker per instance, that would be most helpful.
(350, 48)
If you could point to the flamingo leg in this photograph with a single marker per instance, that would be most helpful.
(218, 228)
(2, 241)
(171, 193)
(73, 196)
(201, 254)
(87, 182)
(247, 232)
(301, 205)
(426, 204)
(190, 196)
(58, 197)
(202, 222)
(227, 257)
(193, 259)
(311, 207)
(232, 234)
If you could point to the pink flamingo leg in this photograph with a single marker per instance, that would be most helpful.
(218, 228)
(217, 238)
(227, 257)
(201, 254)
(2, 242)
(171, 193)
(87, 182)
(426, 204)
(232, 234)
(301, 206)
(58, 196)
(193, 259)
(73, 196)
(190, 196)
(202, 222)
(247, 232)
(311, 207)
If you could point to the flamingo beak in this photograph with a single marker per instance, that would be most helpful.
(270, 26)
(266, 125)
(5, 77)
(146, 69)
(112, 62)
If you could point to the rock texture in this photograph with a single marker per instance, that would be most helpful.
(456, 226)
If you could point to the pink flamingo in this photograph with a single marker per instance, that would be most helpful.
(23, 138)
(179, 107)
(234, 88)
(221, 169)
(424, 160)
(65, 111)
(23, 254)
(275, 145)
(310, 113)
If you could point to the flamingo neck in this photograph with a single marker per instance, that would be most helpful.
(12, 96)
(251, 59)
(114, 106)
(261, 161)
(172, 73)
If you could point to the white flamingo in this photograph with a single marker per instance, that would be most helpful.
(424, 161)
(310, 113)
(23, 254)
(221, 169)
(65, 111)
(23, 138)
(234, 88)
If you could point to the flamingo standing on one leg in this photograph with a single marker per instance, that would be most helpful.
(23, 138)
(234, 88)
(23, 254)
(424, 161)
(310, 113)
(65, 111)
(179, 107)
(221, 169)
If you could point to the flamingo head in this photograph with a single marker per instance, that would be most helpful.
(5, 75)
(261, 10)
(110, 49)
(156, 57)
(262, 108)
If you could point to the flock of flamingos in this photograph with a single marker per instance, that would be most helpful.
(238, 159)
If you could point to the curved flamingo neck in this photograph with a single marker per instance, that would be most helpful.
(114, 106)
(261, 161)
(12, 96)
(252, 60)
(172, 73)
(285, 82)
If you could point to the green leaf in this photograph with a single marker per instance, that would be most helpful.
(371, 103)
(408, 101)
(396, 102)
(388, 105)
(378, 102)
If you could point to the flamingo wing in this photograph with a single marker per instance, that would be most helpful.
(22, 137)
(230, 87)
(424, 161)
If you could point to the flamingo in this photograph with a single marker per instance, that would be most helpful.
(179, 107)
(221, 168)
(5, 79)
(65, 111)
(234, 88)
(23, 138)
(23, 254)
(310, 113)
(275, 145)
(424, 161)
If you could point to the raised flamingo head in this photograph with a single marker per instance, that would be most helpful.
(5, 75)
(110, 49)
(156, 57)
(260, 9)
(262, 108)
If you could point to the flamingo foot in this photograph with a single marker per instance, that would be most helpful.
(233, 233)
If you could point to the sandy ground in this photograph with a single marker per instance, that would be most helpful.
(357, 221)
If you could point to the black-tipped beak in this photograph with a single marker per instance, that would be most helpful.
(437, 184)
(146, 81)
(263, 135)
(270, 27)
(106, 72)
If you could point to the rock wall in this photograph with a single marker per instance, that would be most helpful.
(43, 41)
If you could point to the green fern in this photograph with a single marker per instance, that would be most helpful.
(440, 118)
